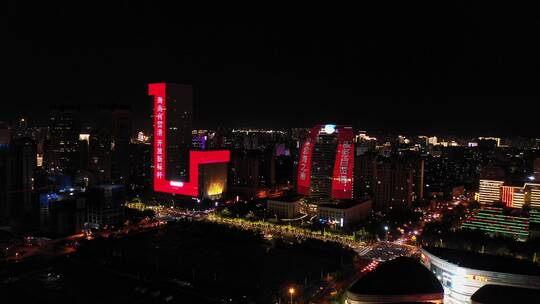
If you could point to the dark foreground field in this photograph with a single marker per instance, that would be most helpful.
(186, 262)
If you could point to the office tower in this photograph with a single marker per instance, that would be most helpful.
(364, 170)
(176, 166)
(267, 165)
(326, 161)
(536, 168)
(109, 144)
(393, 183)
(84, 150)
(105, 205)
(365, 143)
(179, 105)
(284, 169)
(244, 171)
(251, 170)
(323, 158)
(17, 165)
(417, 164)
(5, 134)
(63, 148)
(5, 183)
(22, 130)
(140, 158)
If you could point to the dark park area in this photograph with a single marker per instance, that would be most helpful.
(184, 262)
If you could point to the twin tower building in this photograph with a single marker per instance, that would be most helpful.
(326, 163)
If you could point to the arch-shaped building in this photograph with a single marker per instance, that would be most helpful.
(462, 273)
(401, 280)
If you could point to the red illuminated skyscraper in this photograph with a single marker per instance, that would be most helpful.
(177, 168)
(325, 167)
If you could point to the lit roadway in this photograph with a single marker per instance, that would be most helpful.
(68, 245)
(290, 231)
(371, 254)
(64, 246)
(44, 247)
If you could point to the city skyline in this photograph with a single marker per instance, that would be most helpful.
(390, 156)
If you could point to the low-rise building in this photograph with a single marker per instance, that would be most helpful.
(61, 214)
(507, 222)
(105, 205)
(283, 207)
(344, 213)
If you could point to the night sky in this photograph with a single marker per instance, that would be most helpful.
(469, 70)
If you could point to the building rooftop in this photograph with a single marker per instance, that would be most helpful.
(486, 262)
(491, 294)
(344, 204)
(107, 186)
(514, 183)
(286, 198)
(400, 276)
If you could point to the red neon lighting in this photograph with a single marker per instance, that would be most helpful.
(196, 158)
(507, 196)
(342, 180)
(304, 164)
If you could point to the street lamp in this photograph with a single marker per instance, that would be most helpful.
(291, 292)
(386, 232)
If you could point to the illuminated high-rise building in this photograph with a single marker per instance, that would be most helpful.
(63, 149)
(393, 183)
(325, 167)
(512, 195)
(179, 105)
(490, 191)
(178, 169)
